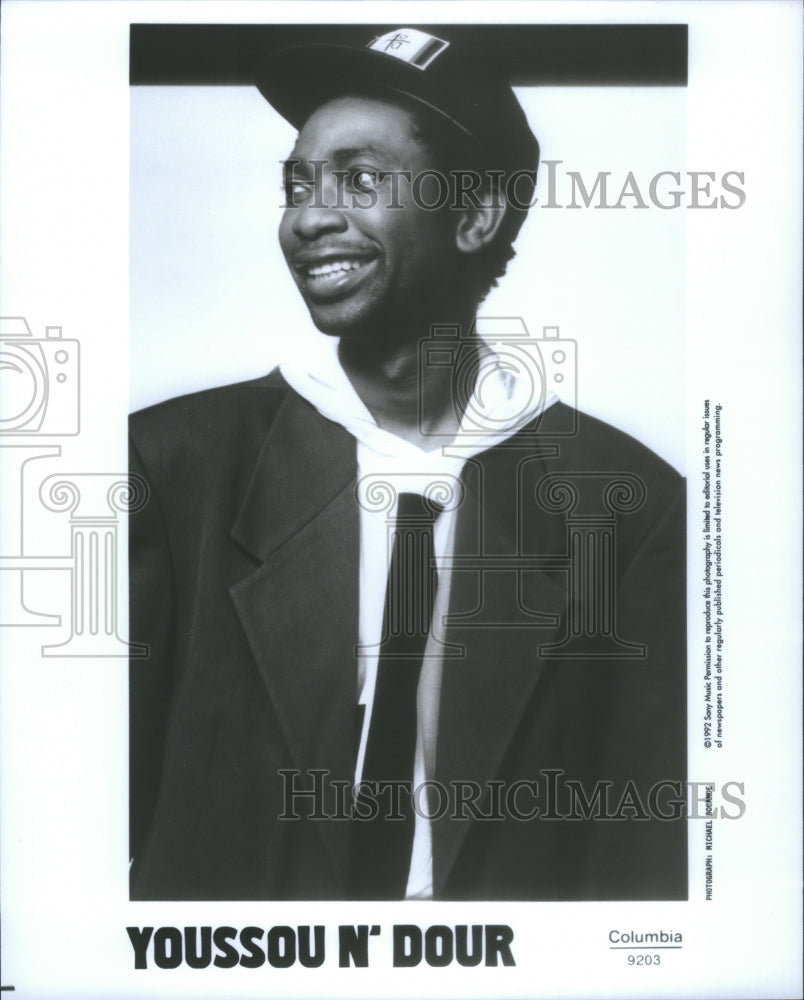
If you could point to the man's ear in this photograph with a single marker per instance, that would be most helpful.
(479, 223)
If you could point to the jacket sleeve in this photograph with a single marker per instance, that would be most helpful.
(650, 714)
(151, 604)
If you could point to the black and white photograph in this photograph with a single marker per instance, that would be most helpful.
(383, 605)
(318, 716)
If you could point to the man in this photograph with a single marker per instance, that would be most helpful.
(416, 627)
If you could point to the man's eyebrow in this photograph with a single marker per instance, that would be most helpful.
(344, 154)
(366, 149)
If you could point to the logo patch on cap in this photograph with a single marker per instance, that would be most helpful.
(416, 48)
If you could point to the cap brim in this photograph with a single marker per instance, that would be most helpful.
(297, 80)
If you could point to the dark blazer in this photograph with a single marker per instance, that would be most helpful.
(244, 586)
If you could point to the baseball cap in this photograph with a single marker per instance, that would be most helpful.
(459, 81)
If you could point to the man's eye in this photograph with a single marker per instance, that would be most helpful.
(297, 193)
(364, 179)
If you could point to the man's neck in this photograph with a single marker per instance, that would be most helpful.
(406, 396)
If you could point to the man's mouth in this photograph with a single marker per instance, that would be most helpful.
(333, 267)
(327, 276)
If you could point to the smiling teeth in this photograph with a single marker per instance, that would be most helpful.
(333, 267)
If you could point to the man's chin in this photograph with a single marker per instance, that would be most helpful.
(344, 323)
(373, 321)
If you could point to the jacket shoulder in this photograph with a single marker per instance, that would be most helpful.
(609, 472)
(597, 446)
(211, 420)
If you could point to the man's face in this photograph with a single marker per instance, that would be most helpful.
(366, 271)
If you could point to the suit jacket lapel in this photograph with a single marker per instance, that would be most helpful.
(299, 609)
(485, 693)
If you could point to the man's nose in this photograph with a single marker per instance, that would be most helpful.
(320, 215)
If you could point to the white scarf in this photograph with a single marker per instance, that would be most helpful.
(502, 403)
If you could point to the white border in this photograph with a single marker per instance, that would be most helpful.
(64, 233)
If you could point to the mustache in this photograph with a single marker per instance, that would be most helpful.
(323, 249)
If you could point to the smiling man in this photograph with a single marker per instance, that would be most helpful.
(378, 259)
(416, 627)
(356, 261)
